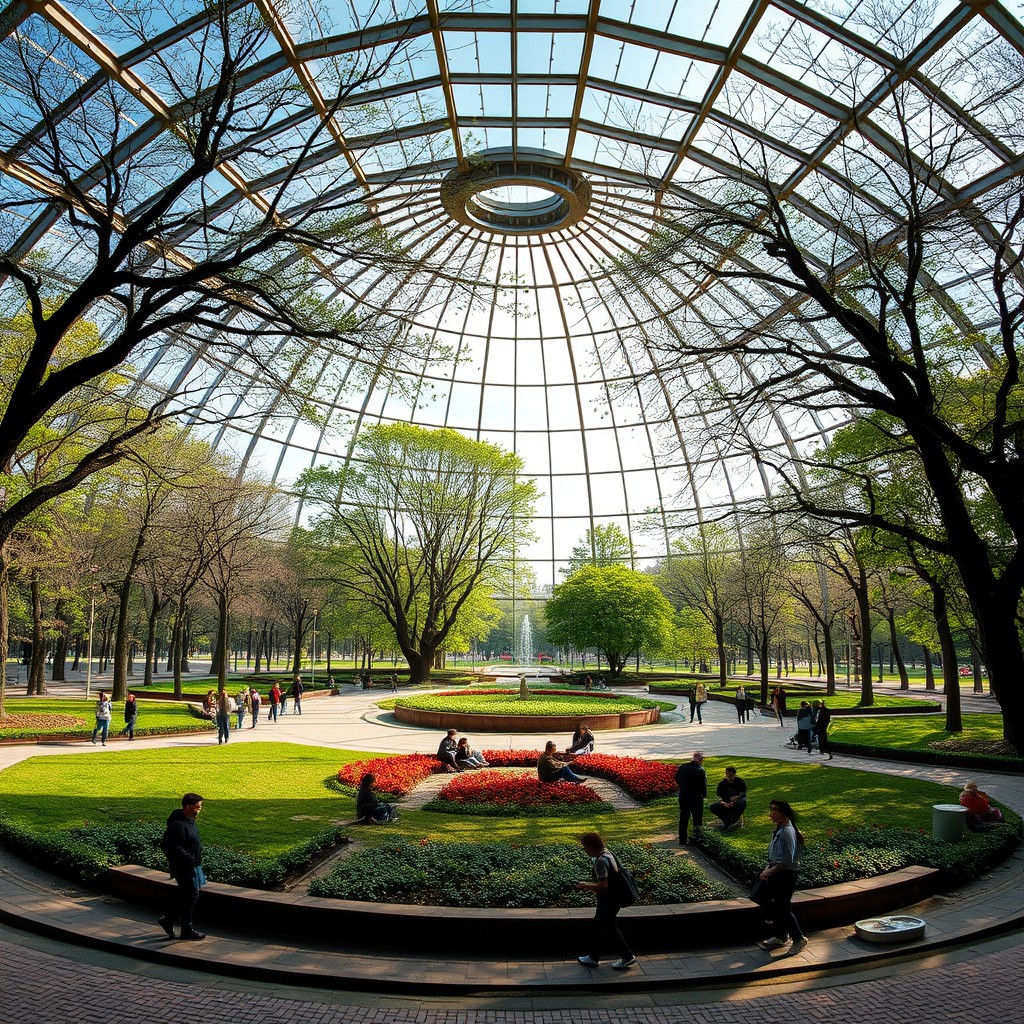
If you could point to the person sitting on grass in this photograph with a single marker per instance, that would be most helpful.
(468, 758)
(447, 750)
(551, 768)
(981, 815)
(369, 807)
(582, 741)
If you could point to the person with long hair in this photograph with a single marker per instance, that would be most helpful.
(369, 807)
(775, 886)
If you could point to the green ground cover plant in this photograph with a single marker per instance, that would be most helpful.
(505, 875)
(75, 716)
(913, 732)
(483, 703)
(265, 800)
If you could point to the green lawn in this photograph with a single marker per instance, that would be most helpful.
(78, 715)
(264, 797)
(912, 732)
(795, 694)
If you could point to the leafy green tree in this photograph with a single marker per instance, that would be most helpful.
(605, 544)
(424, 519)
(701, 573)
(613, 609)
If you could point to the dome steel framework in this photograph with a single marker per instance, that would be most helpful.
(527, 147)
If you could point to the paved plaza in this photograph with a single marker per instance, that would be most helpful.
(970, 972)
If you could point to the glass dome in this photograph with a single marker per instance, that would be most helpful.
(524, 150)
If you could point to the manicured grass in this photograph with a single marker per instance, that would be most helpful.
(913, 732)
(262, 797)
(77, 715)
(484, 703)
(795, 694)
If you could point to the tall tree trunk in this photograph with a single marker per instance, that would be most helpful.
(60, 643)
(177, 639)
(950, 669)
(222, 629)
(151, 624)
(867, 693)
(37, 663)
(929, 669)
(900, 663)
(5, 620)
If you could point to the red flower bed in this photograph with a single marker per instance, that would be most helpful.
(512, 758)
(642, 779)
(396, 774)
(483, 787)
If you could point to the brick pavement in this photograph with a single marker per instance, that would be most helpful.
(969, 987)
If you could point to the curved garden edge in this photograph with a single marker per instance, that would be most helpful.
(476, 722)
(467, 929)
(923, 707)
(1009, 765)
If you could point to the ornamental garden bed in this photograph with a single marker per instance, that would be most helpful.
(270, 807)
(541, 711)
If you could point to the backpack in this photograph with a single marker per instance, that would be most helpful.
(622, 883)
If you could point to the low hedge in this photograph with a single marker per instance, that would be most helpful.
(505, 875)
(84, 854)
(863, 852)
(483, 703)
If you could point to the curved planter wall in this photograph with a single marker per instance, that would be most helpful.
(390, 925)
(523, 723)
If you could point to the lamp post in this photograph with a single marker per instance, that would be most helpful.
(312, 664)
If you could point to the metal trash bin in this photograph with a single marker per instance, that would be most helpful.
(949, 822)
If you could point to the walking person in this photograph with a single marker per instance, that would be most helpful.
(223, 717)
(693, 789)
(394, 682)
(242, 703)
(804, 725)
(779, 705)
(774, 888)
(603, 867)
(275, 702)
(254, 706)
(742, 711)
(184, 852)
(822, 723)
(297, 689)
(131, 712)
(104, 711)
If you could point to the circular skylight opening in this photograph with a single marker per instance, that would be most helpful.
(523, 196)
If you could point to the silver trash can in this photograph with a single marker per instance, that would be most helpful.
(949, 822)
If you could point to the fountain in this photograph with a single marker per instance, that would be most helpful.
(524, 649)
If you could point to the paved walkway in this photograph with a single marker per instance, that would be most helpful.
(47, 981)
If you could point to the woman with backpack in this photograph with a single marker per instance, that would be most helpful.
(774, 888)
(615, 889)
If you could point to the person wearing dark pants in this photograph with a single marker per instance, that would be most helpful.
(732, 800)
(184, 852)
(774, 889)
(606, 927)
(693, 789)
(821, 724)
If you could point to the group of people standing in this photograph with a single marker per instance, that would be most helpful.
(777, 882)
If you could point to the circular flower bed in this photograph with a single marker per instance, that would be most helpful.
(505, 794)
(397, 775)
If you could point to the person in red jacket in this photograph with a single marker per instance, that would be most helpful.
(981, 815)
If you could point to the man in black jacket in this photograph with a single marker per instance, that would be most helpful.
(732, 800)
(184, 851)
(693, 788)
